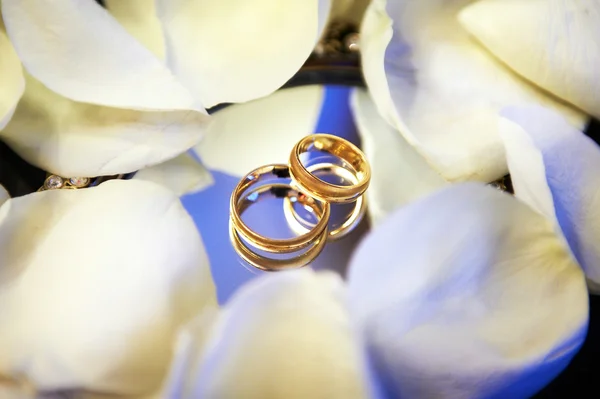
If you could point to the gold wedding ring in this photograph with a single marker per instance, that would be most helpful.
(304, 187)
(257, 186)
(340, 148)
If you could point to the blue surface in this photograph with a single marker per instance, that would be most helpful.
(210, 209)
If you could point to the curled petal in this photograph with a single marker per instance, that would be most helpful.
(282, 336)
(399, 174)
(238, 50)
(12, 83)
(183, 175)
(526, 164)
(77, 139)
(77, 49)
(95, 283)
(439, 88)
(245, 136)
(553, 43)
(467, 294)
(139, 18)
(557, 172)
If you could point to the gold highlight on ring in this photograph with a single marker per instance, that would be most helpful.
(340, 148)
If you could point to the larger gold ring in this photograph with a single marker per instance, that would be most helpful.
(239, 197)
(300, 225)
(340, 148)
(261, 262)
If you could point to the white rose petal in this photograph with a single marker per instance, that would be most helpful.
(399, 174)
(557, 173)
(284, 335)
(526, 164)
(182, 175)
(77, 139)
(77, 49)
(441, 89)
(468, 294)
(12, 83)
(95, 284)
(554, 43)
(139, 18)
(243, 137)
(238, 50)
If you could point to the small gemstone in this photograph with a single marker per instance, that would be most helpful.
(54, 182)
(79, 181)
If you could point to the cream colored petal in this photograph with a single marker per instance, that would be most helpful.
(139, 18)
(78, 50)
(558, 169)
(245, 136)
(526, 164)
(12, 83)
(467, 294)
(238, 50)
(77, 139)
(284, 335)
(182, 175)
(94, 285)
(439, 88)
(399, 174)
(554, 43)
(190, 348)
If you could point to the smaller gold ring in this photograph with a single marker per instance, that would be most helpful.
(270, 264)
(340, 148)
(300, 225)
(255, 178)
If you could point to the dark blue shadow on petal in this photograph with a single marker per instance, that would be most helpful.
(580, 379)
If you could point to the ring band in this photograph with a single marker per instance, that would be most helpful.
(239, 197)
(300, 225)
(320, 189)
(315, 246)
